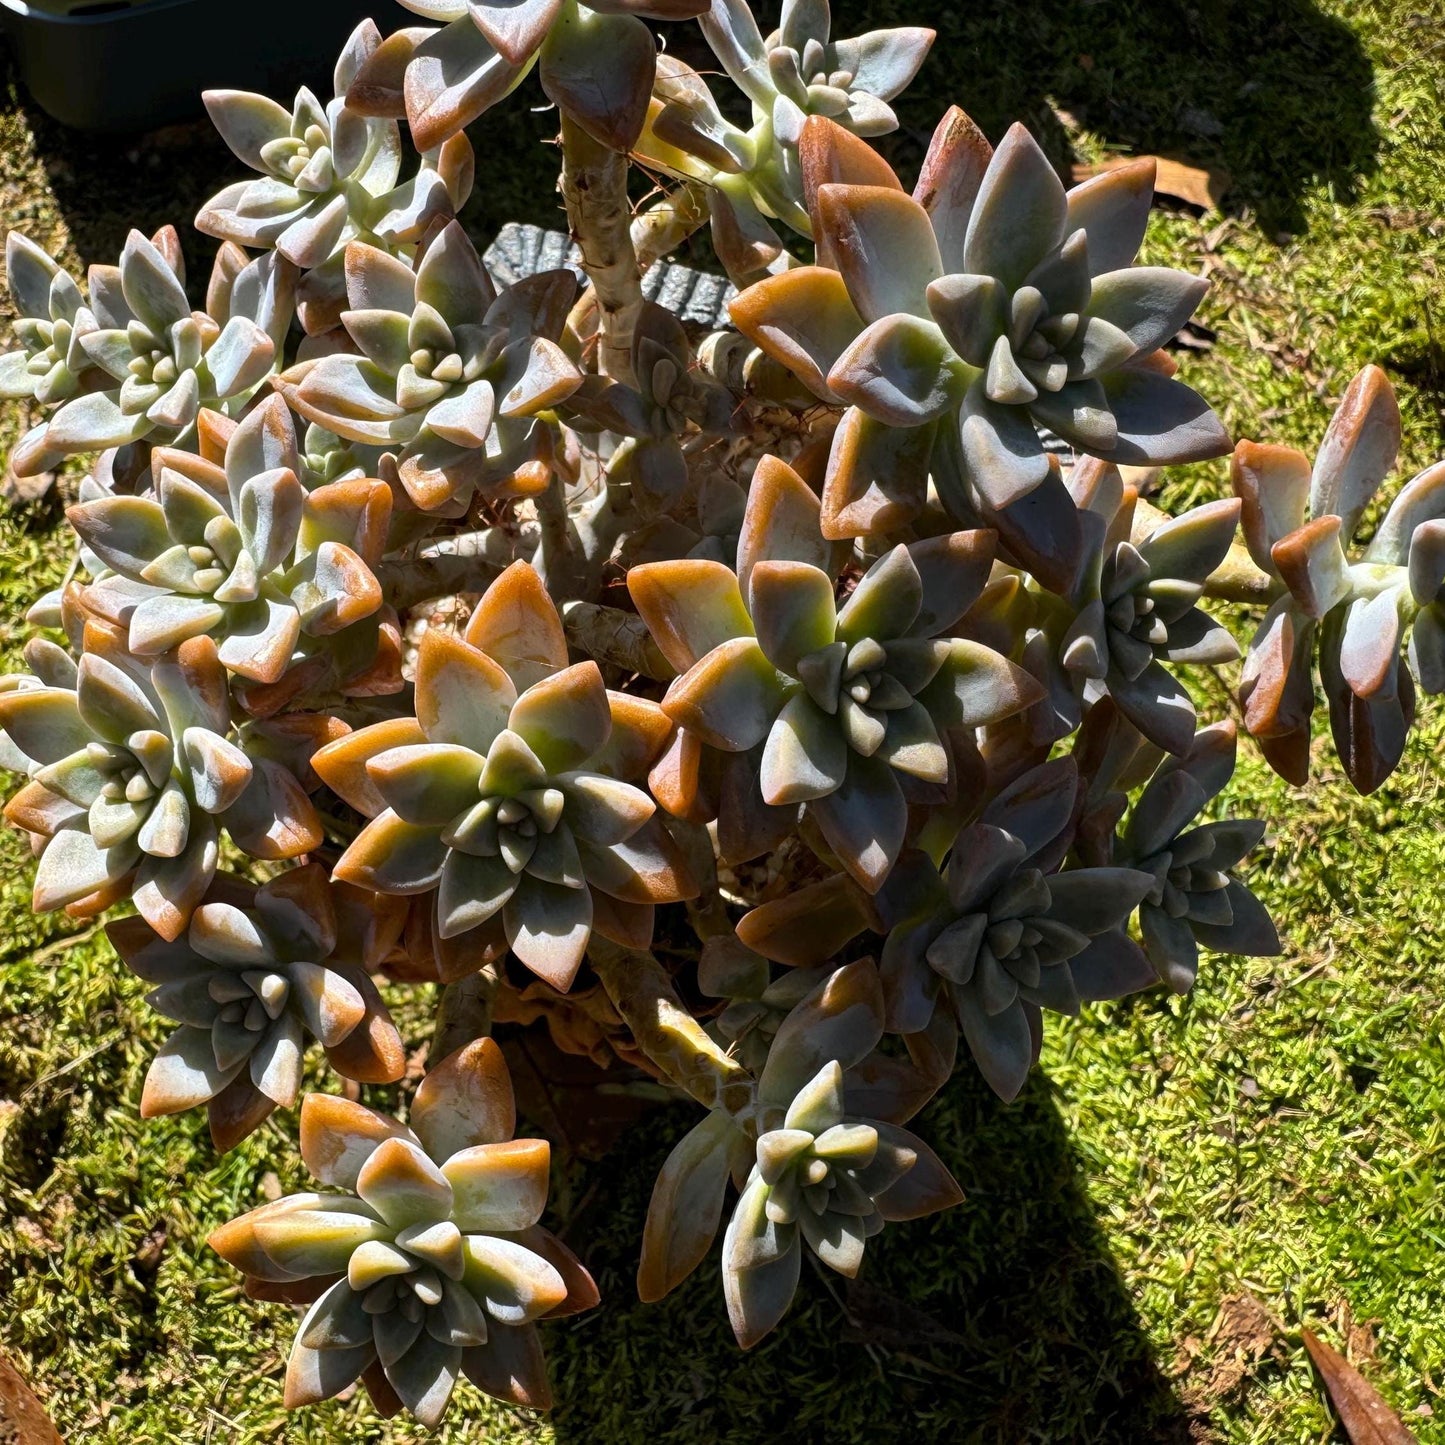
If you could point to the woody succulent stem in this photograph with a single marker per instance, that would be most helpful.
(657, 233)
(594, 187)
(464, 1011)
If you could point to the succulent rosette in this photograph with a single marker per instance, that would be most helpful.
(840, 699)
(596, 63)
(797, 71)
(237, 550)
(1197, 898)
(450, 376)
(800, 70)
(508, 793)
(810, 1172)
(163, 362)
(1002, 933)
(821, 1178)
(1135, 600)
(1298, 520)
(316, 165)
(986, 305)
(327, 175)
(50, 364)
(257, 971)
(430, 1263)
(137, 775)
(673, 400)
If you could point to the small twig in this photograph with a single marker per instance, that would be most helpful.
(107, 1042)
(64, 945)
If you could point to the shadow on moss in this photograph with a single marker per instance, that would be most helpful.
(1004, 1320)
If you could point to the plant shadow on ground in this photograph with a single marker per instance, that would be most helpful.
(1272, 92)
(1004, 1320)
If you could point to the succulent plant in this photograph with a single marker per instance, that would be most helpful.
(988, 304)
(257, 970)
(325, 172)
(840, 699)
(595, 63)
(508, 792)
(51, 317)
(239, 551)
(819, 1180)
(641, 682)
(799, 70)
(1005, 933)
(1298, 521)
(163, 362)
(136, 779)
(431, 1262)
(820, 1176)
(1136, 601)
(671, 401)
(806, 1171)
(754, 175)
(450, 374)
(327, 176)
(1197, 899)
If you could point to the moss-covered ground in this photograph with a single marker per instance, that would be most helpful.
(1184, 1183)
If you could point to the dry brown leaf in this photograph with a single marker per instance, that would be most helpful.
(1193, 185)
(1366, 1418)
(23, 1420)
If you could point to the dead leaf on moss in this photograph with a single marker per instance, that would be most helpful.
(1194, 185)
(23, 1420)
(1366, 1418)
(1242, 1336)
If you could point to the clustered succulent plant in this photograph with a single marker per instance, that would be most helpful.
(772, 711)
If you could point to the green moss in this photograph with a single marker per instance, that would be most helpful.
(1275, 1137)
